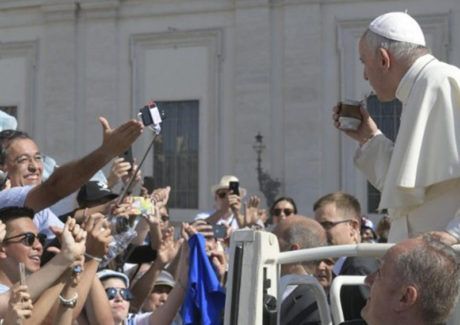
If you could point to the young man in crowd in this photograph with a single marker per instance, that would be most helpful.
(340, 213)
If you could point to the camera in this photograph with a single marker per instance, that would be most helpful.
(219, 231)
(151, 116)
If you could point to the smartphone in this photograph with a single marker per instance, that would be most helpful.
(22, 273)
(128, 157)
(234, 187)
(149, 183)
(219, 231)
(141, 205)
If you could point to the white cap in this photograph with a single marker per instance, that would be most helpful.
(398, 26)
(107, 273)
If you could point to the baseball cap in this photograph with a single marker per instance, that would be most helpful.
(94, 191)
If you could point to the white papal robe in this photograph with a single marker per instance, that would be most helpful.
(419, 175)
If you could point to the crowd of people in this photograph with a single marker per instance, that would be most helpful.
(75, 251)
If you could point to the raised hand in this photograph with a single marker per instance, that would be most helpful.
(168, 248)
(251, 211)
(98, 235)
(161, 196)
(73, 240)
(125, 179)
(234, 202)
(120, 168)
(20, 305)
(219, 261)
(118, 140)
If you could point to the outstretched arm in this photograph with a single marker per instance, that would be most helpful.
(71, 176)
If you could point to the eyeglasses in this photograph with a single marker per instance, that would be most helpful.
(287, 212)
(28, 238)
(23, 159)
(330, 224)
(125, 293)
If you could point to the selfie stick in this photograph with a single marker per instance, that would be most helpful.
(154, 123)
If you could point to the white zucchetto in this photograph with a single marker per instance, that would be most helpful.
(398, 26)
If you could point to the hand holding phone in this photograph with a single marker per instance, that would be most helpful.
(128, 157)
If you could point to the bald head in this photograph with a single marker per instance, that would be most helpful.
(298, 232)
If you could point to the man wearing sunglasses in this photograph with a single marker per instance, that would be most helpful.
(226, 203)
(340, 214)
(24, 244)
(21, 159)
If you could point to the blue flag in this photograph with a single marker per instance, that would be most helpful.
(204, 297)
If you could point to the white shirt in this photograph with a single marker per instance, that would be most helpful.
(16, 196)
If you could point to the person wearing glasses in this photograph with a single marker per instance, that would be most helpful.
(340, 215)
(282, 208)
(23, 243)
(227, 204)
(22, 160)
(119, 294)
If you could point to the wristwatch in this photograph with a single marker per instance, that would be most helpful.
(70, 303)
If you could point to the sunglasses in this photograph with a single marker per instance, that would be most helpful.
(222, 194)
(125, 293)
(329, 224)
(28, 238)
(287, 212)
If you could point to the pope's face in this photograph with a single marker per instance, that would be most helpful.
(376, 72)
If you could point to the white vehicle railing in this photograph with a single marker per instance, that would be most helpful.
(337, 284)
(254, 273)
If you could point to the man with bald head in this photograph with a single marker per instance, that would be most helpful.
(417, 283)
(298, 232)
